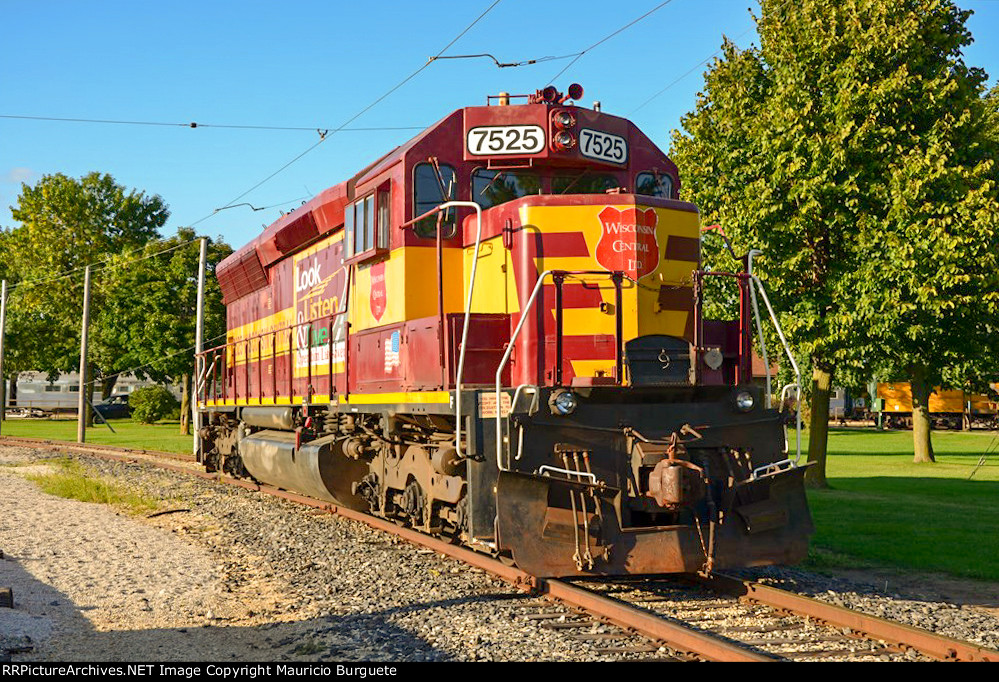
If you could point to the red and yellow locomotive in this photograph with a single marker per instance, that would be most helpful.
(494, 333)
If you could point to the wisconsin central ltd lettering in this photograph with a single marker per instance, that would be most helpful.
(628, 240)
(621, 245)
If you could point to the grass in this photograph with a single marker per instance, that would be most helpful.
(883, 509)
(163, 436)
(71, 480)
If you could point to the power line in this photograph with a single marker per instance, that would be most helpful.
(151, 362)
(194, 124)
(504, 65)
(330, 133)
(687, 73)
(578, 55)
(104, 264)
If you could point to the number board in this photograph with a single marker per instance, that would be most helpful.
(495, 140)
(603, 146)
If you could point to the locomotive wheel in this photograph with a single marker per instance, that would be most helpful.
(412, 503)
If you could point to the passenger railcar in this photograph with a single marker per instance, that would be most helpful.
(494, 333)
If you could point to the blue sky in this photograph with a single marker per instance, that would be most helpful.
(316, 64)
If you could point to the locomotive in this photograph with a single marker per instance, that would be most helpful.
(494, 334)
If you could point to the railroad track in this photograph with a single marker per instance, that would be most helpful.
(720, 618)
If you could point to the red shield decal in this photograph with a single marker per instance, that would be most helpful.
(378, 297)
(628, 242)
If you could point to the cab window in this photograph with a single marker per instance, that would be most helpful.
(494, 187)
(367, 230)
(430, 190)
(584, 183)
(654, 185)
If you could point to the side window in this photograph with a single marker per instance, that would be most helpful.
(362, 223)
(430, 190)
(654, 185)
(369, 222)
(384, 219)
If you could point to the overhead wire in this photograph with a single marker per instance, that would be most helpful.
(153, 362)
(323, 137)
(353, 118)
(579, 55)
(104, 263)
(688, 72)
(194, 124)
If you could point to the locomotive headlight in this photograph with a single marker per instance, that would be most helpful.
(564, 140)
(563, 402)
(564, 119)
(745, 401)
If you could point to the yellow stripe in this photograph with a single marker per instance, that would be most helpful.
(429, 397)
(435, 397)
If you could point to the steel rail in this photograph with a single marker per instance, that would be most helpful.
(933, 645)
(675, 635)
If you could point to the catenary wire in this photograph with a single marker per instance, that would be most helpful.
(153, 362)
(687, 73)
(103, 264)
(194, 124)
(332, 132)
(606, 38)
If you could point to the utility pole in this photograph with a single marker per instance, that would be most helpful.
(3, 326)
(81, 426)
(199, 340)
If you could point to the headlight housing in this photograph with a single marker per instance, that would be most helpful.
(563, 141)
(563, 402)
(745, 401)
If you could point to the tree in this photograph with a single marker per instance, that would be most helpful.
(64, 224)
(937, 254)
(148, 318)
(803, 147)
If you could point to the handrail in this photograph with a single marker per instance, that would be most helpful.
(516, 332)
(790, 357)
(759, 326)
(464, 328)
(459, 373)
(291, 328)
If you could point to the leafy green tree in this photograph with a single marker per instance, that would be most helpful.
(149, 312)
(64, 224)
(806, 146)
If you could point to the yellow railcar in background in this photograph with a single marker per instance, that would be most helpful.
(948, 408)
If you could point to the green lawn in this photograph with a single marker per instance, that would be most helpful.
(163, 435)
(882, 508)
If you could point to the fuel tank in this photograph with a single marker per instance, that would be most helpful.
(317, 468)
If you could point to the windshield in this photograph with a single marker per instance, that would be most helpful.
(584, 183)
(494, 187)
(654, 185)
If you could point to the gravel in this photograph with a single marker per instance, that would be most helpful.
(232, 574)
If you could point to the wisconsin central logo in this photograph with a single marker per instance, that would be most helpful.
(378, 298)
(628, 242)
